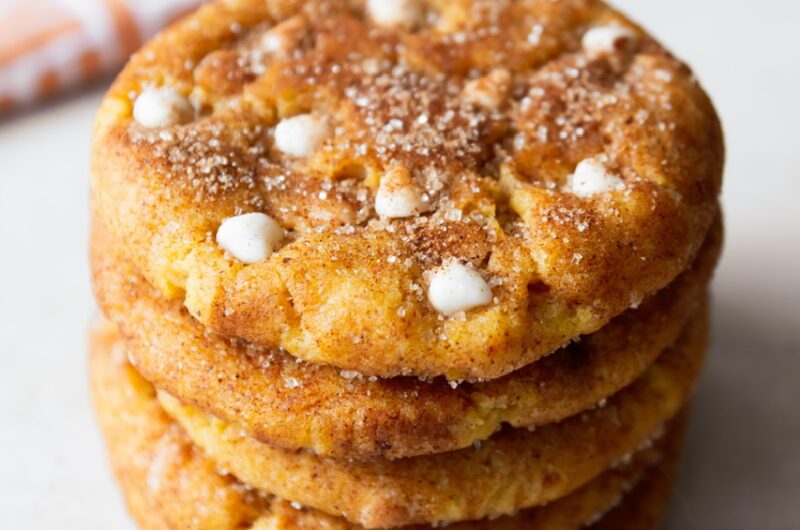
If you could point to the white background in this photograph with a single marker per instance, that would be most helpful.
(742, 471)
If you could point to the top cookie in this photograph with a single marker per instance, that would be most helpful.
(397, 187)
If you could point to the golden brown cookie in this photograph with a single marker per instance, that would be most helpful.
(169, 484)
(512, 470)
(370, 189)
(336, 413)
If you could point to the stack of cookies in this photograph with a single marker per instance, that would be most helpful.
(401, 263)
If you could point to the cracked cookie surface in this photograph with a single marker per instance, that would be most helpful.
(334, 412)
(553, 150)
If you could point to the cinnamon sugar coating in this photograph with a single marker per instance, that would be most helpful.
(513, 470)
(488, 105)
(169, 483)
(334, 412)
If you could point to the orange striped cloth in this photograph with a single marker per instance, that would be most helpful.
(49, 45)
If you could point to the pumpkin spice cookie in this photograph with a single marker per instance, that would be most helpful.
(407, 187)
(338, 413)
(170, 484)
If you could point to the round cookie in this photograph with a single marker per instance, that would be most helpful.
(336, 413)
(169, 484)
(377, 194)
(512, 470)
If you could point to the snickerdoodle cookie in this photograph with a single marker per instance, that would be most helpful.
(407, 187)
(512, 470)
(170, 484)
(345, 414)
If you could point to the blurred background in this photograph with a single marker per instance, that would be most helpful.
(742, 469)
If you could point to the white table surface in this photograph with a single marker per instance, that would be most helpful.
(742, 469)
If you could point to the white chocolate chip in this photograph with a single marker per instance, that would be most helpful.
(490, 91)
(251, 237)
(161, 107)
(301, 135)
(398, 195)
(592, 177)
(606, 40)
(395, 12)
(455, 287)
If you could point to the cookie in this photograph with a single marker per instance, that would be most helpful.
(407, 187)
(345, 414)
(512, 470)
(170, 484)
